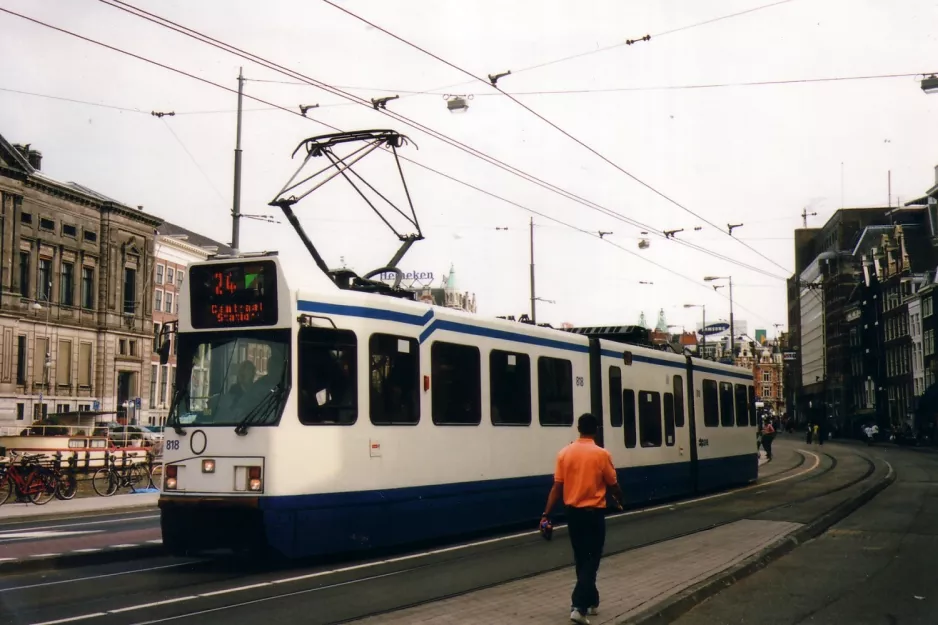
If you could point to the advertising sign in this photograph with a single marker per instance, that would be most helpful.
(715, 328)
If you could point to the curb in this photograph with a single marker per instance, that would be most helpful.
(684, 601)
(64, 514)
(66, 560)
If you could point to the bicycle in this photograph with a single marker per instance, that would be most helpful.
(108, 479)
(39, 484)
(66, 484)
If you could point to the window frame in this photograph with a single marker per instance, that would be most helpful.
(543, 364)
(629, 419)
(525, 392)
(654, 399)
(730, 419)
(616, 414)
(435, 375)
(414, 351)
(742, 420)
(352, 343)
(667, 405)
(711, 417)
(680, 409)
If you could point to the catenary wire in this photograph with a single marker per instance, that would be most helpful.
(166, 23)
(551, 124)
(418, 164)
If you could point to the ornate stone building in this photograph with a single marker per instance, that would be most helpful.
(76, 295)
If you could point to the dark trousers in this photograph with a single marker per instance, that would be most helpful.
(587, 528)
(767, 444)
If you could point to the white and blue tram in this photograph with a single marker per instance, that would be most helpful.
(315, 420)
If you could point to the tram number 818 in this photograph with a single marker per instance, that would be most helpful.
(579, 380)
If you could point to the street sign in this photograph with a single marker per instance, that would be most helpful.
(715, 328)
(137, 403)
(96, 405)
(790, 355)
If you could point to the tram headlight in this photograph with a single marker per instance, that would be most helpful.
(254, 479)
(171, 474)
(208, 466)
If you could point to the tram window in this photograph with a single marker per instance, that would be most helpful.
(726, 404)
(742, 411)
(649, 418)
(327, 377)
(394, 380)
(456, 383)
(669, 419)
(678, 384)
(753, 420)
(711, 408)
(510, 388)
(615, 397)
(555, 391)
(628, 405)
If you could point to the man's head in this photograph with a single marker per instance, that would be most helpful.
(587, 425)
(246, 373)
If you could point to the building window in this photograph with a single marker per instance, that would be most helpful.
(84, 365)
(67, 285)
(766, 376)
(169, 302)
(87, 287)
(130, 290)
(394, 397)
(158, 300)
(20, 412)
(132, 345)
(628, 413)
(26, 218)
(122, 347)
(649, 418)
(41, 360)
(21, 359)
(678, 387)
(510, 388)
(726, 404)
(711, 406)
(326, 377)
(90, 236)
(555, 391)
(615, 397)
(45, 279)
(170, 274)
(159, 274)
(156, 337)
(455, 374)
(24, 273)
(69, 230)
(753, 420)
(63, 369)
(164, 377)
(154, 374)
(766, 391)
(927, 304)
(47, 224)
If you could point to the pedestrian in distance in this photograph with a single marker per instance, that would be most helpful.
(815, 434)
(808, 435)
(582, 475)
(768, 435)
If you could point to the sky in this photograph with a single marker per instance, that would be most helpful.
(681, 158)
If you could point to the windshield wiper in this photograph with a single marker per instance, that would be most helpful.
(262, 407)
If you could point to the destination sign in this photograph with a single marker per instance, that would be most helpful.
(233, 294)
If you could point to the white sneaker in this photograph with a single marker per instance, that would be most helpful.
(577, 617)
(593, 611)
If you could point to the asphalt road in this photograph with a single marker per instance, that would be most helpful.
(226, 590)
(21, 538)
(877, 566)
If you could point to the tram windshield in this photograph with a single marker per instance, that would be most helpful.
(227, 378)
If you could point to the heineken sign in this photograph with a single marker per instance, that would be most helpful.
(715, 328)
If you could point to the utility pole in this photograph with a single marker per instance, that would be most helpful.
(533, 317)
(732, 326)
(236, 205)
(804, 216)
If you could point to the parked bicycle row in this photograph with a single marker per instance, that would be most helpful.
(37, 478)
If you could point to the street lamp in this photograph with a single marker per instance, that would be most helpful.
(732, 325)
(36, 306)
(930, 84)
(703, 325)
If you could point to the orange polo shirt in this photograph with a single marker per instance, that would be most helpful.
(585, 469)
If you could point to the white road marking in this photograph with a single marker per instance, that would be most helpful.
(28, 534)
(86, 550)
(405, 558)
(83, 524)
(44, 555)
(91, 577)
(158, 541)
(72, 619)
(122, 546)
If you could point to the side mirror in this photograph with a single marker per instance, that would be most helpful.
(164, 352)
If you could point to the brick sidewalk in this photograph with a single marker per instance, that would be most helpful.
(628, 582)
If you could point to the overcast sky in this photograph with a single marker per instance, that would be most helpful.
(755, 155)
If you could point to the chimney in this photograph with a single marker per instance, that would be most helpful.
(35, 159)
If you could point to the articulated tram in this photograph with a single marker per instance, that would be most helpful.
(310, 419)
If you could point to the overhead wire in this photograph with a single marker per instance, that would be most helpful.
(74, 101)
(194, 161)
(201, 37)
(334, 128)
(548, 122)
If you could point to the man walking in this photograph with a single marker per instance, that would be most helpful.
(583, 472)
